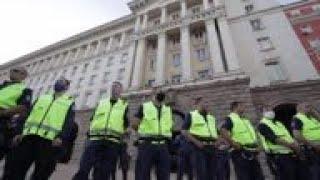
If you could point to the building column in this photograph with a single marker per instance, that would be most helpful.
(161, 54)
(185, 45)
(218, 3)
(109, 47)
(214, 46)
(139, 59)
(98, 47)
(123, 39)
(228, 45)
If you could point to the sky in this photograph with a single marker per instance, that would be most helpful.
(28, 25)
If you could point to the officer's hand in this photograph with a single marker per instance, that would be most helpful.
(200, 145)
(16, 140)
(295, 147)
(57, 142)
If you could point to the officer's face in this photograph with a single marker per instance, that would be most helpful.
(116, 90)
(241, 108)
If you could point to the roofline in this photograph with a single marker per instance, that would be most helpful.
(68, 40)
(298, 3)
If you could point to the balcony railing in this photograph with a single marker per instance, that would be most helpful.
(190, 18)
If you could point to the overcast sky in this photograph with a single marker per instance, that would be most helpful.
(27, 25)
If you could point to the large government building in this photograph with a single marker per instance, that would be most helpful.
(173, 43)
(223, 50)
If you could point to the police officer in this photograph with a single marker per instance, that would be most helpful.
(154, 122)
(241, 135)
(107, 127)
(279, 145)
(15, 102)
(200, 129)
(306, 130)
(44, 133)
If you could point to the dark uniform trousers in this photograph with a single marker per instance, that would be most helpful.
(283, 167)
(152, 155)
(38, 150)
(101, 156)
(310, 169)
(185, 161)
(223, 165)
(245, 168)
(204, 162)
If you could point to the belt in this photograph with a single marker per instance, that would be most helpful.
(155, 142)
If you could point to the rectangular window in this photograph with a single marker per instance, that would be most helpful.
(103, 94)
(275, 72)
(151, 83)
(265, 44)
(92, 79)
(176, 79)
(201, 54)
(256, 25)
(106, 77)
(153, 63)
(315, 44)
(176, 60)
(124, 58)
(306, 30)
(97, 64)
(204, 74)
(110, 61)
(121, 73)
(80, 82)
(74, 70)
(85, 67)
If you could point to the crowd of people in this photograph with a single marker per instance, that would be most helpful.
(43, 133)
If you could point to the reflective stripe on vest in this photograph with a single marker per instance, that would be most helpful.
(151, 125)
(10, 94)
(48, 116)
(281, 132)
(311, 127)
(242, 131)
(202, 128)
(108, 119)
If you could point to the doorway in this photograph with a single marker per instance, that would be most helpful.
(285, 113)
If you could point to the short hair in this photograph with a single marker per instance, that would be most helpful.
(235, 104)
(197, 100)
(117, 82)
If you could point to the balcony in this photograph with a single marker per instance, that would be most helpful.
(194, 15)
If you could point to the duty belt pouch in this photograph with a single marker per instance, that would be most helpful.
(247, 155)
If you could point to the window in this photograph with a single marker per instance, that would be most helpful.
(176, 60)
(156, 22)
(295, 13)
(316, 7)
(85, 67)
(74, 70)
(176, 79)
(153, 63)
(124, 58)
(121, 73)
(265, 44)
(151, 83)
(204, 74)
(80, 82)
(103, 94)
(275, 72)
(97, 64)
(249, 8)
(106, 77)
(201, 54)
(195, 10)
(315, 44)
(256, 25)
(306, 30)
(92, 79)
(175, 16)
(110, 61)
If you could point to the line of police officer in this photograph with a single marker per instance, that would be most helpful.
(47, 128)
